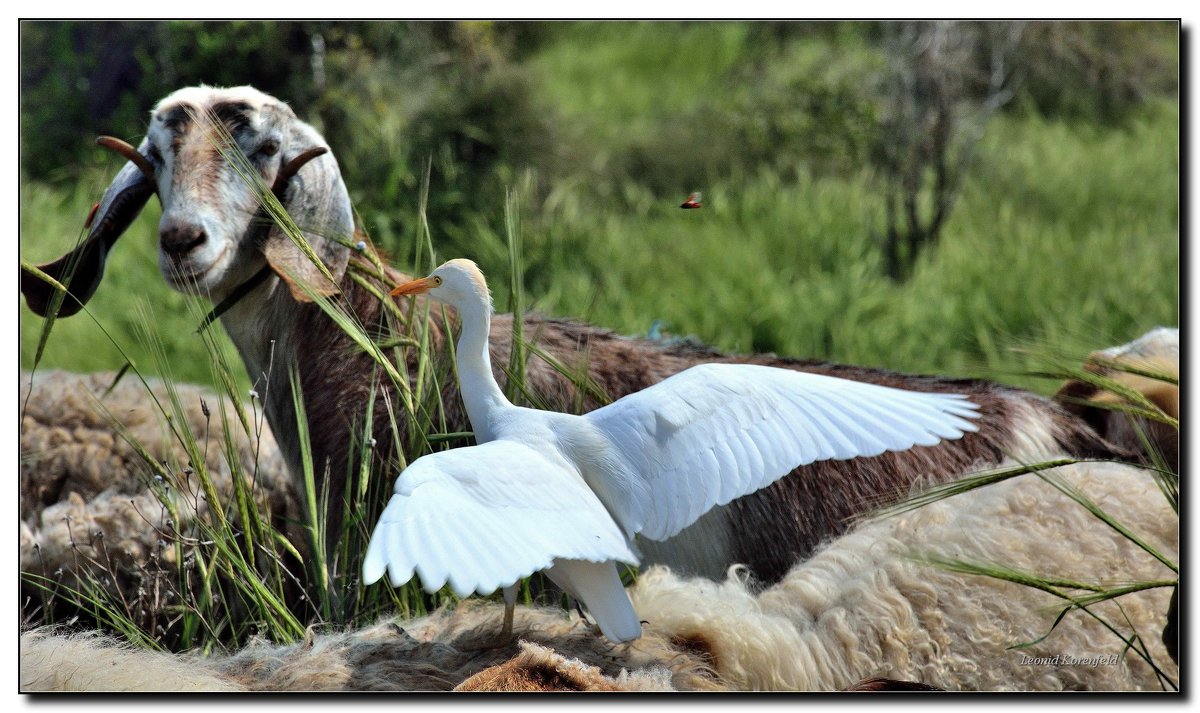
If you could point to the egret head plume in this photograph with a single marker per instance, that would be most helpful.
(458, 283)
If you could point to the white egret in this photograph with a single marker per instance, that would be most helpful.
(566, 494)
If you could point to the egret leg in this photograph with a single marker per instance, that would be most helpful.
(510, 607)
(506, 637)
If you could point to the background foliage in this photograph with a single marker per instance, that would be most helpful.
(1066, 230)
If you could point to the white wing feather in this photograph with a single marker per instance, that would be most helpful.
(483, 517)
(715, 432)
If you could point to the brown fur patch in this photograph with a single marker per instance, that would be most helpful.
(539, 669)
(697, 646)
(438, 652)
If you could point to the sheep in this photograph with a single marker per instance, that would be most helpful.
(864, 607)
(51, 661)
(87, 506)
(432, 652)
(1157, 351)
(211, 242)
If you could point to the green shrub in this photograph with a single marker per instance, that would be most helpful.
(1101, 71)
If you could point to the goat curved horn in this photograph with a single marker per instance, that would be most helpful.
(81, 269)
(292, 167)
(129, 153)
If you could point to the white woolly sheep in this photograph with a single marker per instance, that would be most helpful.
(863, 606)
(85, 490)
(57, 662)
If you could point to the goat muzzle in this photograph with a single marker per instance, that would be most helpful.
(177, 240)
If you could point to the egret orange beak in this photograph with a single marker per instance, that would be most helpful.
(415, 287)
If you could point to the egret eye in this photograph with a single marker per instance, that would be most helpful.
(437, 281)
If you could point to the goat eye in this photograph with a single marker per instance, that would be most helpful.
(269, 147)
(155, 156)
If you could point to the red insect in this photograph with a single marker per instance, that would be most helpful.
(693, 201)
(91, 216)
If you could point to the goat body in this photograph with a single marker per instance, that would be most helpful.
(210, 242)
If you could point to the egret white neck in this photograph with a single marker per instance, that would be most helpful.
(481, 394)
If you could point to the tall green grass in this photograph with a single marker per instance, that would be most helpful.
(1062, 237)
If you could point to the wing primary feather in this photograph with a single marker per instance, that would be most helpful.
(788, 449)
(844, 413)
(696, 500)
(837, 444)
(407, 545)
(741, 462)
(796, 425)
(400, 566)
(757, 463)
(859, 421)
(375, 561)
(431, 570)
(869, 414)
(928, 414)
(954, 412)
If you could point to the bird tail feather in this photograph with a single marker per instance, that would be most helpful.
(606, 599)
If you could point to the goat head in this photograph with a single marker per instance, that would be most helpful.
(213, 234)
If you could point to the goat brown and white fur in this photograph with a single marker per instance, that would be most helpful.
(208, 241)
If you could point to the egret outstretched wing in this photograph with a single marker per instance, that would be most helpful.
(716, 432)
(483, 517)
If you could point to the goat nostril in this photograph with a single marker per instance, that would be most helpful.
(178, 241)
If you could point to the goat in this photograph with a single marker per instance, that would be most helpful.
(209, 241)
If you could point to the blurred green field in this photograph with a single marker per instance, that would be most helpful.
(1066, 236)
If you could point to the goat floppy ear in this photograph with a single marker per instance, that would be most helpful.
(317, 200)
(82, 269)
